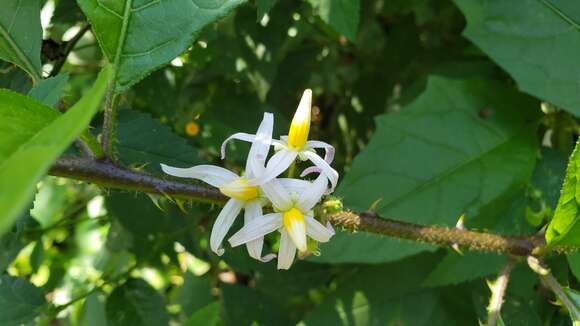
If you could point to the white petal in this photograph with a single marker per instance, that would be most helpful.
(312, 194)
(287, 251)
(257, 229)
(317, 231)
(277, 194)
(328, 149)
(312, 169)
(253, 210)
(239, 136)
(277, 164)
(222, 225)
(261, 144)
(326, 169)
(211, 174)
(294, 185)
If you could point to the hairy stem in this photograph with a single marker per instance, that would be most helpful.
(111, 175)
(437, 235)
(498, 288)
(550, 282)
(108, 135)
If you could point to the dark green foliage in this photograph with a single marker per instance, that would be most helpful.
(136, 303)
(437, 110)
(20, 301)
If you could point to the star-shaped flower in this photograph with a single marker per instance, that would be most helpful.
(242, 194)
(295, 145)
(292, 200)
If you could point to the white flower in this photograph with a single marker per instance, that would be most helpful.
(295, 145)
(293, 201)
(242, 195)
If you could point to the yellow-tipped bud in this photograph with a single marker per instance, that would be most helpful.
(300, 126)
(240, 190)
(295, 225)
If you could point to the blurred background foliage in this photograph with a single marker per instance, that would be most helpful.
(428, 122)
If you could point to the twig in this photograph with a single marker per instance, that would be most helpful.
(70, 45)
(438, 235)
(84, 148)
(550, 282)
(108, 174)
(110, 114)
(498, 288)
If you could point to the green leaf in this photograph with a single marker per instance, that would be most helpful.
(93, 313)
(50, 90)
(455, 268)
(564, 227)
(21, 35)
(341, 15)
(194, 294)
(428, 174)
(206, 316)
(531, 29)
(12, 242)
(32, 136)
(245, 306)
(136, 303)
(138, 36)
(574, 263)
(143, 140)
(13, 78)
(387, 294)
(159, 224)
(20, 301)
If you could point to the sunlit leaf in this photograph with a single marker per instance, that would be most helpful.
(31, 138)
(137, 36)
(428, 174)
(564, 227)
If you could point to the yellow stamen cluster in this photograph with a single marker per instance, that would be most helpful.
(300, 126)
(240, 190)
(295, 225)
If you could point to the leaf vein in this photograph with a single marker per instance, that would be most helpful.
(109, 10)
(562, 15)
(145, 6)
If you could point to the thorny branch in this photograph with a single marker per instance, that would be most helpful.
(110, 175)
(498, 289)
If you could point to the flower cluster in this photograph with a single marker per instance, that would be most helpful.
(292, 200)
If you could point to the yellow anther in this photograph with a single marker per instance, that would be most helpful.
(300, 126)
(240, 190)
(295, 225)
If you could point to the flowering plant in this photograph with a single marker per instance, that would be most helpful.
(292, 200)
